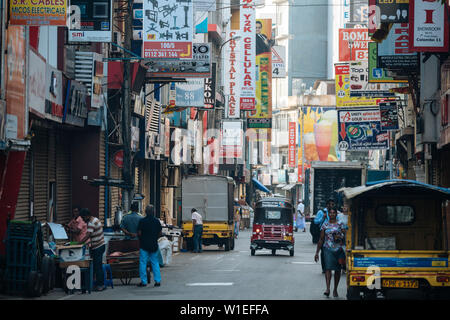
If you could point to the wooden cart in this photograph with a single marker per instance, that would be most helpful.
(126, 266)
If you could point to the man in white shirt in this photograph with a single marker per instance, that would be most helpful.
(301, 221)
(197, 228)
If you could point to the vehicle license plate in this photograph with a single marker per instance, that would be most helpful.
(400, 283)
(271, 241)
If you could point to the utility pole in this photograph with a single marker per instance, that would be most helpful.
(126, 109)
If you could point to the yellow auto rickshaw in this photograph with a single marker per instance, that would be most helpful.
(397, 243)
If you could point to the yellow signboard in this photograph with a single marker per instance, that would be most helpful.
(343, 98)
(38, 12)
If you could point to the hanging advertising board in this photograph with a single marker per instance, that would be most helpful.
(343, 98)
(394, 52)
(95, 21)
(36, 83)
(190, 93)
(232, 140)
(75, 109)
(210, 89)
(232, 68)
(393, 11)
(278, 62)
(15, 126)
(197, 67)
(429, 26)
(353, 44)
(292, 145)
(359, 82)
(378, 75)
(360, 129)
(54, 96)
(261, 117)
(248, 55)
(37, 13)
(389, 115)
(168, 29)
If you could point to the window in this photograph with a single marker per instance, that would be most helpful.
(273, 215)
(395, 215)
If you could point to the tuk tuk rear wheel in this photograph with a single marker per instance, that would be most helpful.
(274, 251)
(353, 293)
(227, 244)
(252, 252)
(291, 252)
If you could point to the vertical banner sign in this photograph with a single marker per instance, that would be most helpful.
(353, 44)
(232, 140)
(278, 62)
(15, 126)
(292, 144)
(210, 89)
(262, 116)
(389, 115)
(248, 49)
(232, 76)
(168, 29)
(36, 83)
(38, 12)
(429, 26)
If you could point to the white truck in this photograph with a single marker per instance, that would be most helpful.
(213, 197)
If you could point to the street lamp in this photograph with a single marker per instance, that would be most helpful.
(221, 46)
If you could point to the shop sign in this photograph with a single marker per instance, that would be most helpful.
(394, 52)
(75, 109)
(393, 11)
(389, 115)
(232, 78)
(343, 98)
(429, 26)
(278, 62)
(359, 82)
(36, 83)
(360, 129)
(168, 29)
(197, 67)
(210, 89)
(353, 44)
(292, 144)
(93, 21)
(54, 109)
(190, 93)
(15, 84)
(378, 75)
(118, 159)
(232, 140)
(37, 13)
(248, 55)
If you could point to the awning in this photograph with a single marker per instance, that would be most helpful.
(260, 186)
(289, 187)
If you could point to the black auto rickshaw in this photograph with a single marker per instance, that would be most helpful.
(273, 225)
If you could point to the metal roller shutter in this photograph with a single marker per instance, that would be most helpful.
(63, 178)
(23, 201)
(40, 157)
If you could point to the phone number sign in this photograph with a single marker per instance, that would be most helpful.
(168, 29)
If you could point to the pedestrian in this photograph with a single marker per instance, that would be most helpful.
(331, 243)
(149, 231)
(97, 246)
(300, 220)
(130, 222)
(237, 221)
(77, 227)
(197, 229)
(319, 220)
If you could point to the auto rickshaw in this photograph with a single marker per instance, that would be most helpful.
(273, 226)
(397, 243)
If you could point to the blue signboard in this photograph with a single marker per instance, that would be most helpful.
(360, 129)
(190, 93)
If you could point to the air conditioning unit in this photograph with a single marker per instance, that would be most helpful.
(117, 39)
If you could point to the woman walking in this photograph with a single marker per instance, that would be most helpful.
(332, 234)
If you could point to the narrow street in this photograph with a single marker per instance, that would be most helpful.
(234, 275)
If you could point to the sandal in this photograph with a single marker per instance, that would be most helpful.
(327, 293)
(335, 294)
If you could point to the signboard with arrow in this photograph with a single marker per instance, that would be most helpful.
(360, 129)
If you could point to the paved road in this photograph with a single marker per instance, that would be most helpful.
(234, 275)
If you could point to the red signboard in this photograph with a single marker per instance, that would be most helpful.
(353, 44)
(118, 159)
(292, 144)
